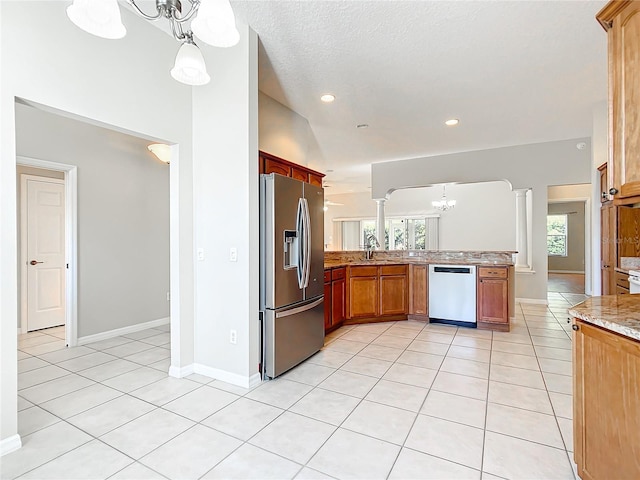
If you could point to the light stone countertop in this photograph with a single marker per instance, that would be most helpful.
(406, 257)
(617, 313)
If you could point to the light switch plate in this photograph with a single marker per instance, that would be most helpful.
(200, 253)
(233, 254)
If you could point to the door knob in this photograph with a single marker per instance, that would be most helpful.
(575, 327)
(33, 262)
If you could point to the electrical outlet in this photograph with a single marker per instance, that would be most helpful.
(233, 337)
(168, 296)
(233, 254)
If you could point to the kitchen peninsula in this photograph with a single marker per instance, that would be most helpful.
(394, 285)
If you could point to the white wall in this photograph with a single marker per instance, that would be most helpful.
(283, 132)
(534, 166)
(483, 219)
(226, 213)
(123, 217)
(126, 84)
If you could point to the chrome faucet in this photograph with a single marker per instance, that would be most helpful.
(372, 242)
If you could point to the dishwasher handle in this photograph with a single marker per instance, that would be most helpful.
(466, 270)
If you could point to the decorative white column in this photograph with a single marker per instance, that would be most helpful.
(522, 257)
(380, 223)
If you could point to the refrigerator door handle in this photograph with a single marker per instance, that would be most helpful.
(307, 243)
(300, 219)
(303, 308)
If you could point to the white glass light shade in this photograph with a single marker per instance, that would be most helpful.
(98, 17)
(162, 151)
(215, 24)
(190, 67)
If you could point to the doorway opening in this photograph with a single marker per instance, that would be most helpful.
(568, 239)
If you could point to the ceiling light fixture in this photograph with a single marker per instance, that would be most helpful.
(328, 98)
(443, 204)
(452, 122)
(162, 151)
(213, 22)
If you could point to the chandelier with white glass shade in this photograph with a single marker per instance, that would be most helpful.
(212, 21)
(443, 203)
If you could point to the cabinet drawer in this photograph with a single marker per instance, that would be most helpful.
(393, 270)
(363, 271)
(622, 280)
(621, 290)
(492, 272)
(327, 275)
(338, 273)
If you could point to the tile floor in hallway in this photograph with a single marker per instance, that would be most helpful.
(392, 400)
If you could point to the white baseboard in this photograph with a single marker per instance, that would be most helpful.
(567, 271)
(10, 444)
(223, 375)
(122, 331)
(181, 372)
(537, 301)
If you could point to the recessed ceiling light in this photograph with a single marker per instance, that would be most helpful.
(452, 122)
(363, 125)
(328, 98)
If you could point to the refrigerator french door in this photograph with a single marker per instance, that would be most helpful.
(291, 272)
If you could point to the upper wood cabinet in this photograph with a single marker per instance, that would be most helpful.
(621, 19)
(268, 163)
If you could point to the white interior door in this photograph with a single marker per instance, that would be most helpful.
(45, 252)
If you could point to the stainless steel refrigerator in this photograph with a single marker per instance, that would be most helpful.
(291, 272)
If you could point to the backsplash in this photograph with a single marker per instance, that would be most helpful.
(629, 262)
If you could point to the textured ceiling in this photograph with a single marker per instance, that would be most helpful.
(513, 72)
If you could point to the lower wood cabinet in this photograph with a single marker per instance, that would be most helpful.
(493, 298)
(377, 292)
(606, 403)
(394, 291)
(334, 298)
(418, 295)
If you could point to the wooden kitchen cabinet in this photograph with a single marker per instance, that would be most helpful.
(327, 300)
(268, 163)
(606, 403)
(418, 295)
(338, 296)
(363, 292)
(394, 292)
(621, 20)
(603, 172)
(377, 293)
(493, 298)
(608, 254)
(334, 298)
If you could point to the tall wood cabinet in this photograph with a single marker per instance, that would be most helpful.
(621, 20)
(418, 293)
(606, 403)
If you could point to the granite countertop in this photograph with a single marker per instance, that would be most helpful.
(617, 313)
(406, 261)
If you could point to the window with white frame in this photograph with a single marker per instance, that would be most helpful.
(557, 235)
(401, 233)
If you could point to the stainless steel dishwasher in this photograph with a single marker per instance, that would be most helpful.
(452, 294)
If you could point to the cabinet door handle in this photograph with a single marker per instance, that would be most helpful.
(575, 327)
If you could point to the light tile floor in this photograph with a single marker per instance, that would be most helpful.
(389, 400)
